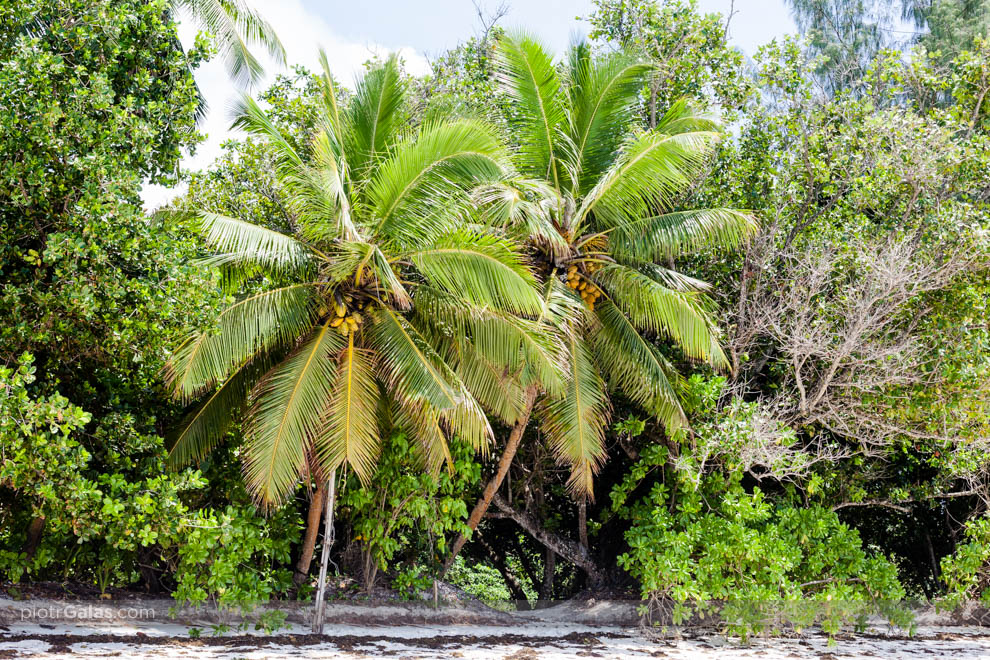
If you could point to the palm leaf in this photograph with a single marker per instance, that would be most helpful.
(422, 424)
(676, 315)
(234, 25)
(651, 169)
(205, 426)
(661, 237)
(374, 116)
(574, 424)
(526, 71)
(350, 428)
(528, 349)
(252, 119)
(412, 190)
(683, 117)
(318, 194)
(493, 387)
(523, 209)
(468, 422)
(239, 242)
(480, 268)
(285, 415)
(414, 371)
(257, 323)
(635, 367)
(604, 93)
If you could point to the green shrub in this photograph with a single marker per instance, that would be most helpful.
(701, 543)
(483, 582)
(966, 572)
(407, 511)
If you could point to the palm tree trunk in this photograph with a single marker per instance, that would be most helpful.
(321, 589)
(583, 521)
(312, 529)
(481, 508)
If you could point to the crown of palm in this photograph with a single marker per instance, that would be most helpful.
(391, 304)
(595, 197)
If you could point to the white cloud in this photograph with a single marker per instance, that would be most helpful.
(302, 33)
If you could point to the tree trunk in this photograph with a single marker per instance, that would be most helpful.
(583, 521)
(549, 568)
(496, 481)
(316, 505)
(34, 534)
(511, 581)
(321, 589)
(566, 548)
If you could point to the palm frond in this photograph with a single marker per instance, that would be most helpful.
(661, 237)
(243, 243)
(603, 93)
(389, 280)
(205, 426)
(676, 315)
(350, 424)
(481, 268)
(468, 422)
(493, 387)
(331, 109)
(524, 210)
(528, 349)
(234, 25)
(285, 416)
(257, 323)
(415, 185)
(422, 424)
(374, 116)
(575, 423)
(683, 117)
(635, 367)
(526, 71)
(413, 370)
(318, 194)
(252, 119)
(651, 169)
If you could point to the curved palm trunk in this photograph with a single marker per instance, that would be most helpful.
(481, 508)
(312, 529)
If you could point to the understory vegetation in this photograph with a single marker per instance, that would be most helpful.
(647, 319)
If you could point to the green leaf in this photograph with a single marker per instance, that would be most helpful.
(481, 268)
(350, 428)
(286, 415)
(575, 423)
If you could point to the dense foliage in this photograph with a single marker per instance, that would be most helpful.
(784, 410)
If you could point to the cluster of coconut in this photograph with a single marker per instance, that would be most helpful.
(346, 321)
(588, 291)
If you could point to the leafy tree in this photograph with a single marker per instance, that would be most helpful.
(849, 309)
(334, 350)
(596, 201)
(847, 35)
(98, 98)
(948, 27)
(690, 52)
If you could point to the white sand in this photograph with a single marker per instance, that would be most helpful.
(538, 640)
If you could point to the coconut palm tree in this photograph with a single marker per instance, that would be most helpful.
(234, 26)
(334, 350)
(595, 198)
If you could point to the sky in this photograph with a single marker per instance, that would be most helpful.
(351, 31)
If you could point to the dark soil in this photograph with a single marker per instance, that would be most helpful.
(344, 642)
